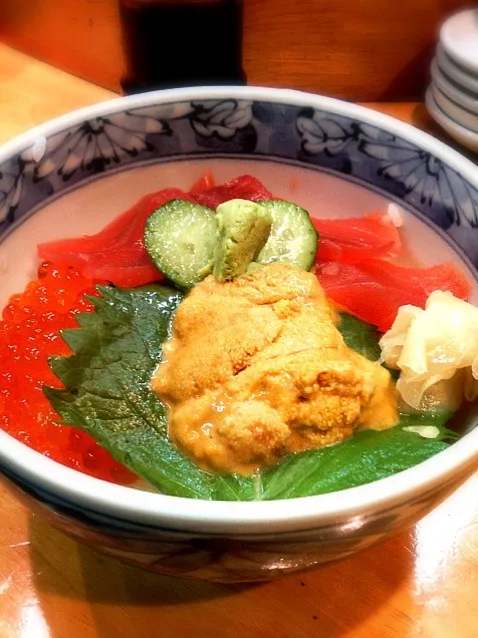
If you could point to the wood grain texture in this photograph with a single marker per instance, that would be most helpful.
(422, 583)
(33, 92)
(80, 36)
(367, 50)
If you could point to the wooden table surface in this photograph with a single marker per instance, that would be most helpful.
(422, 583)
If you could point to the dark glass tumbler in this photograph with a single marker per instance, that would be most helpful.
(174, 43)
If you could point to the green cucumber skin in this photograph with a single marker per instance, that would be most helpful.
(180, 237)
(293, 238)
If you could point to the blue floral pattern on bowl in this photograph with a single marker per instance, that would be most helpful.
(311, 137)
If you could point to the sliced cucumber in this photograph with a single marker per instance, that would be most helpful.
(293, 239)
(180, 238)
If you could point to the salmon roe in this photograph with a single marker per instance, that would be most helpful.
(29, 334)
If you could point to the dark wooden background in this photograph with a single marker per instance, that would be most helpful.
(363, 50)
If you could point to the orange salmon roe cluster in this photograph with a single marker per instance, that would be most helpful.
(29, 334)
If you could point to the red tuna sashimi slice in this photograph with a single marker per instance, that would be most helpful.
(205, 182)
(119, 230)
(355, 239)
(244, 187)
(374, 290)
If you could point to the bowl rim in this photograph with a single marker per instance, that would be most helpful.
(456, 73)
(453, 128)
(453, 110)
(448, 37)
(219, 517)
(460, 96)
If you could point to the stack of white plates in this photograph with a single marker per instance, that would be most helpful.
(452, 97)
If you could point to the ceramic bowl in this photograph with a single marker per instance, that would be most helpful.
(460, 133)
(455, 111)
(459, 37)
(463, 98)
(73, 174)
(458, 74)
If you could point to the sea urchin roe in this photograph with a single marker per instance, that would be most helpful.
(256, 369)
(29, 335)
